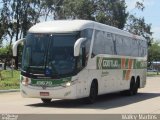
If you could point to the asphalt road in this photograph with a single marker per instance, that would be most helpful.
(146, 101)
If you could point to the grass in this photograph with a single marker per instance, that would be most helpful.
(152, 74)
(9, 80)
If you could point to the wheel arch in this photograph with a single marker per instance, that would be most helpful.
(96, 82)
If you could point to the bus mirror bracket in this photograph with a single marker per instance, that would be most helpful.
(77, 46)
(15, 45)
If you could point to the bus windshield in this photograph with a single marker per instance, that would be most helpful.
(49, 54)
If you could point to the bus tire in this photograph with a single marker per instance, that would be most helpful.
(93, 92)
(136, 86)
(46, 101)
(131, 90)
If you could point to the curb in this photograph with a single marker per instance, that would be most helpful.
(12, 90)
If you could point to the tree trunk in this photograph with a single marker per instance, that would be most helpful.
(17, 32)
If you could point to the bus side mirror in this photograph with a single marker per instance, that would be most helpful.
(14, 48)
(77, 46)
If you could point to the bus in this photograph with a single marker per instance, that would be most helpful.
(73, 59)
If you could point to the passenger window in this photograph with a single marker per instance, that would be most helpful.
(103, 43)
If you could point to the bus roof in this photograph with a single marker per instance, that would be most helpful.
(64, 26)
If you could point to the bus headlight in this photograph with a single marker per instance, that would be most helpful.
(26, 81)
(68, 84)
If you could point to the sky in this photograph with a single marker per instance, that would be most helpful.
(151, 14)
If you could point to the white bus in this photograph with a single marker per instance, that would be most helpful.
(72, 59)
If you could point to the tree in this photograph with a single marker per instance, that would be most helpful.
(73, 9)
(110, 12)
(6, 55)
(4, 20)
(138, 26)
(154, 53)
(22, 12)
(17, 17)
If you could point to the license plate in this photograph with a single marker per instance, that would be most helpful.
(43, 83)
(44, 93)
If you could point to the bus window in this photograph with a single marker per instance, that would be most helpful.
(27, 57)
(127, 46)
(119, 45)
(98, 43)
(87, 33)
(109, 45)
(103, 43)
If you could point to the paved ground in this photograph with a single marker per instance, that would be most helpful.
(146, 101)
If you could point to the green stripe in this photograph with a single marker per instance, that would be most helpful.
(126, 63)
(134, 64)
(141, 64)
(108, 63)
(49, 82)
(115, 63)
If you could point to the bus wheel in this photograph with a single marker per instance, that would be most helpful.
(46, 101)
(93, 92)
(131, 91)
(136, 86)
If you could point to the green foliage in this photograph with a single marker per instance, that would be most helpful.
(110, 12)
(5, 51)
(154, 52)
(81, 9)
(140, 5)
(6, 55)
(7, 81)
(139, 27)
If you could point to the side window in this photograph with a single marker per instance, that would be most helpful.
(27, 57)
(109, 44)
(119, 45)
(87, 33)
(127, 46)
(142, 48)
(98, 45)
(145, 47)
(134, 47)
(130, 46)
(103, 43)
